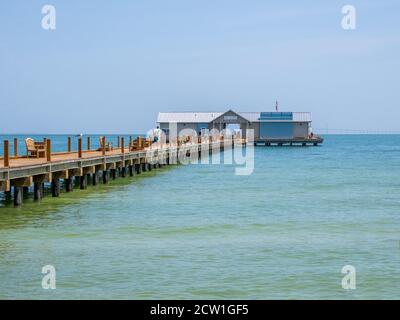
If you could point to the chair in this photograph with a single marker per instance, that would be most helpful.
(140, 144)
(108, 145)
(34, 149)
(147, 143)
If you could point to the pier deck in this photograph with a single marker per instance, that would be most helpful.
(289, 141)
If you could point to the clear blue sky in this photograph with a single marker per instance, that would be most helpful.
(110, 66)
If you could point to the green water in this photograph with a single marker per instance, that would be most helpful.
(200, 231)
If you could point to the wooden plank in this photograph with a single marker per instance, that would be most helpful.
(112, 166)
(75, 172)
(22, 182)
(90, 169)
(64, 174)
(5, 185)
(40, 178)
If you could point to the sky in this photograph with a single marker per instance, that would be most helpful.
(111, 66)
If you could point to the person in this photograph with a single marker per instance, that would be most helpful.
(156, 134)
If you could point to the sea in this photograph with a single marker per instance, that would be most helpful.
(308, 223)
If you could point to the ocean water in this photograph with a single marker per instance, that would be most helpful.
(200, 231)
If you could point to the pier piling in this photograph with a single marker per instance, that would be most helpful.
(131, 170)
(83, 182)
(18, 196)
(69, 186)
(37, 191)
(123, 172)
(106, 176)
(95, 178)
(55, 187)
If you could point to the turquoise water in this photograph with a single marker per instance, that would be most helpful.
(200, 231)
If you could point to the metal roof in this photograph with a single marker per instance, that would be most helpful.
(187, 116)
(206, 117)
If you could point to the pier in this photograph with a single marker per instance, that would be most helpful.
(308, 141)
(90, 167)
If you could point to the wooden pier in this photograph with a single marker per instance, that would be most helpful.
(314, 141)
(89, 166)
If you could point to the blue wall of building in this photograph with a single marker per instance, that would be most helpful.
(201, 125)
(276, 130)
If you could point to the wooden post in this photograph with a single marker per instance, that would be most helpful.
(140, 142)
(130, 143)
(119, 142)
(15, 148)
(48, 150)
(69, 144)
(88, 143)
(103, 147)
(6, 154)
(122, 145)
(80, 148)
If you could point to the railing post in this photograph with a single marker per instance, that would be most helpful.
(140, 142)
(69, 144)
(119, 142)
(103, 147)
(88, 143)
(6, 154)
(130, 143)
(122, 145)
(48, 149)
(80, 147)
(15, 148)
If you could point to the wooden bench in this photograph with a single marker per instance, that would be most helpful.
(35, 149)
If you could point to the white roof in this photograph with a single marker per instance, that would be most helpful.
(206, 117)
(187, 116)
